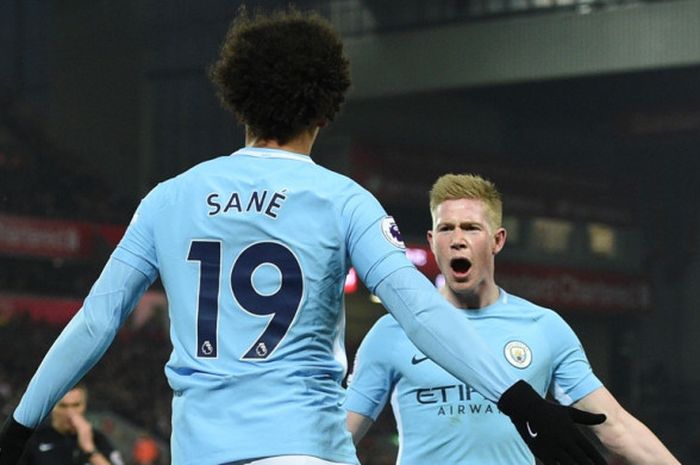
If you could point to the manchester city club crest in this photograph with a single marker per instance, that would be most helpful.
(392, 233)
(518, 354)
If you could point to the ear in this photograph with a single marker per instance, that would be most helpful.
(322, 124)
(499, 240)
(429, 238)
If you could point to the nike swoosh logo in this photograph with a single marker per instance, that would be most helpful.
(416, 360)
(44, 447)
(529, 431)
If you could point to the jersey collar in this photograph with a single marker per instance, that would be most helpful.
(273, 153)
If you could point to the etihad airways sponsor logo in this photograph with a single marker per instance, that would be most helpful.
(446, 394)
(455, 399)
(467, 409)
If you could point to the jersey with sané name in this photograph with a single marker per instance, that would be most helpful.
(442, 420)
(252, 250)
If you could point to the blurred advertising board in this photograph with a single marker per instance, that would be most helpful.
(51, 238)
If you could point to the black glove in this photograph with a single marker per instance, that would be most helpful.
(13, 437)
(549, 429)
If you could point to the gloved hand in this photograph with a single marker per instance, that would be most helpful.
(549, 429)
(13, 438)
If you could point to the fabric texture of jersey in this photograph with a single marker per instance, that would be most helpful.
(442, 420)
(49, 447)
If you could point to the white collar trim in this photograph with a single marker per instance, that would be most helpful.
(273, 153)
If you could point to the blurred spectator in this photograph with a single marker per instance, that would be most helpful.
(137, 395)
(69, 438)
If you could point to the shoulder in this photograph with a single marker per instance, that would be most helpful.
(531, 310)
(160, 195)
(44, 439)
(329, 180)
(212, 164)
(549, 324)
(187, 178)
(45, 432)
(386, 324)
(383, 335)
(340, 183)
(544, 321)
(380, 348)
(166, 191)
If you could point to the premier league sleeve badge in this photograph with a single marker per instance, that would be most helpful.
(391, 232)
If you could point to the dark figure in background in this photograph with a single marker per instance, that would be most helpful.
(70, 439)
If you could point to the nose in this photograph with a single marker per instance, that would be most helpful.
(72, 410)
(457, 240)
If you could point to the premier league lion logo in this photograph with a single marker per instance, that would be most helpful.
(395, 233)
(391, 232)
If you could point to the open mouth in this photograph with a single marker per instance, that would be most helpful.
(460, 265)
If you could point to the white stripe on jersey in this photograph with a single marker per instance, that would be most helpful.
(273, 153)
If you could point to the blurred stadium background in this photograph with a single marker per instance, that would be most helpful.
(586, 113)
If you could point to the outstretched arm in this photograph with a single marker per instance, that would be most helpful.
(77, 349)
(84, 340)
(623, 434)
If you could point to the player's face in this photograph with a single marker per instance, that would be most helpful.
(464, 246)
(74, 402)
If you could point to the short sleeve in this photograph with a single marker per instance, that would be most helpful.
(372, 379)
(573, 377)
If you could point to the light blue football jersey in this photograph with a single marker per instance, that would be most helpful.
(444, 421)
(252, 253)
(253, 249)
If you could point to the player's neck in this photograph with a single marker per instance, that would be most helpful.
(472, 300)
(299, 144)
